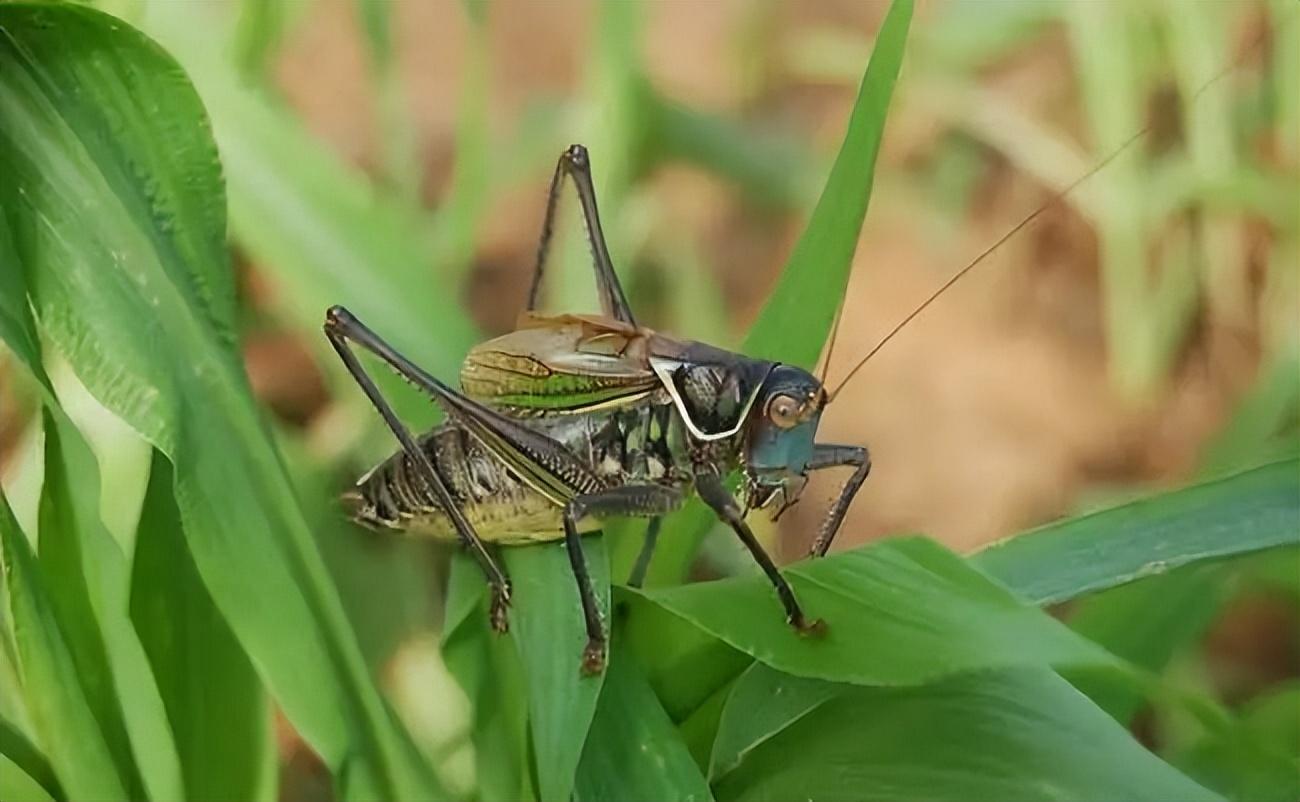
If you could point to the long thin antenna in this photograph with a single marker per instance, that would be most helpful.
(830, 345)
(1056, 198)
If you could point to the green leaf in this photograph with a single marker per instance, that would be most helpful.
(64, 723)
(322, 230)
(22, 756)
(683, 664)
(762, 703)
(797, 317)
(633, 750)
(547, 625)
(214, 700)
(1019, 734)
(17, 328)
(487, 667)
(1257, 758)
(114, 178)
(89, 582)
(17, 785)
(1250, 511)
(900, 612)
(1147, 623)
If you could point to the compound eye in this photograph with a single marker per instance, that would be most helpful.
(784, 410)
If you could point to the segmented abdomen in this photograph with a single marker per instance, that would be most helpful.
(493, 499)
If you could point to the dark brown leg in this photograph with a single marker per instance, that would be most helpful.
(637, 577)
(716, 496)
(829, 456)
(574, 163)
(631, 500)
(340, 328)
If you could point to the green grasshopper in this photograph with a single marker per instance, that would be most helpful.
(572, 419)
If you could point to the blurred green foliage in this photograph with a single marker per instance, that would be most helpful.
(140, 662)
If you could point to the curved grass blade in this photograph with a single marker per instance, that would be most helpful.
(87, 578)
(23, 757)
(60, 713)
(1021, 734)
(114, 176)
(1250, 511)
(89, 582)
(17, 785)
(214, 699)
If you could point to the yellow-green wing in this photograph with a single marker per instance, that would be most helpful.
(569, 363)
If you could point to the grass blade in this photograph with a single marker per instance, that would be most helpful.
(215, 702)
(88, 580)
(813, 283)
(487, 667)
(23, 757)
(60, 712)
(116, 176)
(17, 785)
(1250, 511)
(798, 315)
(547, 626)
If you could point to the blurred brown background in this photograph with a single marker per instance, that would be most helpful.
(994, 410)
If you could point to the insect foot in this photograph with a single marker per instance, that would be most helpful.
(500, 609)
(815, 628)
(593, 657)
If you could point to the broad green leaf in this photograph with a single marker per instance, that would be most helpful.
(108, 149)
(320, 228)
(797, 317)
(1019, 734)
(900, 612)
(64, 723)
(21, 757)
(547, 625)
(1250, 511)
(684, 665)
(214, 700)
(762, 703)
(633, 750)
(89, 585)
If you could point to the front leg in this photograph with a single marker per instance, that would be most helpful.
(830, 456)
(715, 494)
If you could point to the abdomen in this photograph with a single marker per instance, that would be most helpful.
(499, 506)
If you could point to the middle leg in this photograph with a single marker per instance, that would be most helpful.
(638, 500)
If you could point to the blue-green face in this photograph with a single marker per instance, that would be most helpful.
(782, 435)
